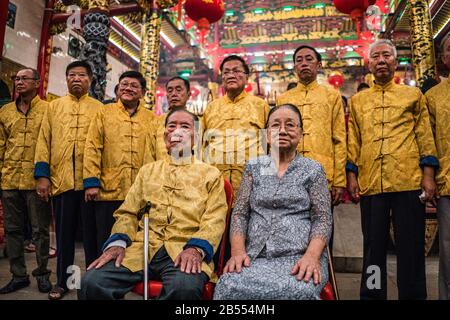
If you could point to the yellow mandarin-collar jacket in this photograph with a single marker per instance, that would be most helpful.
(115, 148)
(18, 135)
(188, 208)
(158, 145)
(324, 136)
(389, 139)
(60, 145)
(439, 106)
(231, 134)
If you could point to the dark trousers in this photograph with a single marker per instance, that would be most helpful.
(104, 221)
(16, 205)
(69, 206)
(408, 217)
(110, 282)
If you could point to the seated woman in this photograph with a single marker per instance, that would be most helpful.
(281, 222)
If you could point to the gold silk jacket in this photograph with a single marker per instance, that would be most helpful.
(61, 141)
(115, 148)
(158, 144)
(18, 136)
(438, 99)
(324, 136)
(188, 208)
(232, 134)
(389, 139)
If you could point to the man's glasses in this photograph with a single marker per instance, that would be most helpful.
(134, 86)
(23, 79)
(228, 73)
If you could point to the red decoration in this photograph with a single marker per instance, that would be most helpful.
(336, 79)
(194, 92)
(397, 79)
(204, 12)
(355, 8)
(248, 87)
(160, 92)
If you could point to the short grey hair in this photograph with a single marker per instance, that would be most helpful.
(444, 40)
(383, 41)
(36, 75)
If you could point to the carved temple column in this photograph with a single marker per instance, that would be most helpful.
(150, 51)
(96, 31)
(422, 40)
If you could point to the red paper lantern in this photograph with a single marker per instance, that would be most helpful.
(248, 87)
(355, 8)
(336, 79)
(204, 12)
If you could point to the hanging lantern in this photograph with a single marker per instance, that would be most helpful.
(336, 79)
(355, 8)
(204, 12)
(248, 87)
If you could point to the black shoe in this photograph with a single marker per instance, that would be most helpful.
(44, 284)
(15, 284)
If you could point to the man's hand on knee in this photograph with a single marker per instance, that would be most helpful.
(116, 252)
(189, 260)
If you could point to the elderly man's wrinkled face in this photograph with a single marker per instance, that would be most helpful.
(25, 82)
(78, 81)
(179, 134)
(306, 65)
(234, 76)
(177, 94)
(284, 130)
(382, 63)
(130, 90)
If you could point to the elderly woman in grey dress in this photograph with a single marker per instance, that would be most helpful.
(281, 221)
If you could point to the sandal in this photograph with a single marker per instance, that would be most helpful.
(57, 293)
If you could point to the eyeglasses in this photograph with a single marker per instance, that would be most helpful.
(289, 126)
(132, 85)
(228, 73)
(18, 79)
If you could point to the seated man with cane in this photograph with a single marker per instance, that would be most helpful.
(187, 220)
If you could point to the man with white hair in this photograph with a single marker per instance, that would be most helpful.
(438, 99)
(391, 164)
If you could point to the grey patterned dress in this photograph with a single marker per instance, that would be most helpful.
(279, 217)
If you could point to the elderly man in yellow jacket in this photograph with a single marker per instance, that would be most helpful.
(439, 107)
(178, 93)
(59, 168)
(187, 220)
(19, 127)
(391, 157)
(232, 124)
(115, 148)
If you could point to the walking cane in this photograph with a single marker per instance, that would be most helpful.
(332, 276)
(145, 212)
